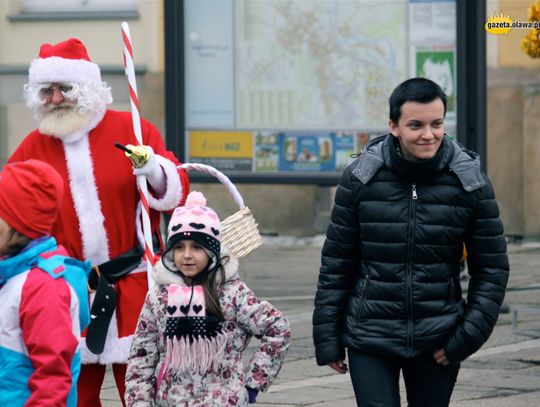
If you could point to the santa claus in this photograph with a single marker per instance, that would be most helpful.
(99, 216)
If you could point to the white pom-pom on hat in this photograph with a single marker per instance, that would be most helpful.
(195, 198)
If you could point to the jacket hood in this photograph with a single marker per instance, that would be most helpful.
(163, 276)
(464, 163)
(25, 260)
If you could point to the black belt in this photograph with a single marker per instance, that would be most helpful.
(101, 280)
(115, 268)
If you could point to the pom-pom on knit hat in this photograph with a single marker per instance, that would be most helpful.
(194, 221)
(31, 193)
(65, 62)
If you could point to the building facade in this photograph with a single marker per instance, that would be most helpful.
(513, 103)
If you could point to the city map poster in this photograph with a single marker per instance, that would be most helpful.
(337, 74)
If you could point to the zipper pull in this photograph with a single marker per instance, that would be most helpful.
(414, 196)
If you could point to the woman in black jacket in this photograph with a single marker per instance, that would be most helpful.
(389, 288)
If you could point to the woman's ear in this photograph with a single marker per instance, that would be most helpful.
(393, 128)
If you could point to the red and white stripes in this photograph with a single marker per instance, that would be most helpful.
(129, 67)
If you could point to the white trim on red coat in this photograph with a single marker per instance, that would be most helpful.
(173, 193)
(94, 239)
(116, 349)
(82, 183)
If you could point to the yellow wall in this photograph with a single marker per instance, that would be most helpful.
(20, 40)
(509, 52)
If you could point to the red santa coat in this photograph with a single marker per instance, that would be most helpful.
(97, 219)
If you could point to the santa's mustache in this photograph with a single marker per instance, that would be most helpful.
(63, 119)
(61, 106)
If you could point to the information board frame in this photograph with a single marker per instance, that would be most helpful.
(175, 76)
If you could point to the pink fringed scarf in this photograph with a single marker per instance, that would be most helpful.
(195, 341)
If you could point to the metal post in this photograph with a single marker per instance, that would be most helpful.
(174, 76)
(471, 76)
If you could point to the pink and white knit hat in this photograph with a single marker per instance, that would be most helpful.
(194, 221)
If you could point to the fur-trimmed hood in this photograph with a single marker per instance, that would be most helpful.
(162, 276)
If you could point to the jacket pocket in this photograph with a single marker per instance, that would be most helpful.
(363, 296)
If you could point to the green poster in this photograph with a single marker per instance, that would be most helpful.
(439, 67)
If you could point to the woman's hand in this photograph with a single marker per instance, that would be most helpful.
(440, 357)
(339, 366)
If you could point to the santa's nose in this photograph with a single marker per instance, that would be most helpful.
(57, 97)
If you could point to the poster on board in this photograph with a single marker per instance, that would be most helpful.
(225, 150)
(261, 99)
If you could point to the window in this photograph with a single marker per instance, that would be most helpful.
(39, 6)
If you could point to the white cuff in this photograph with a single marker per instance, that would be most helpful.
(173, 186)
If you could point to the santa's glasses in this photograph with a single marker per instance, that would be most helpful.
(48, 91)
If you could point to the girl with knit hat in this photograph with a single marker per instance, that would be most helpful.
(43, 295)
(197, 321)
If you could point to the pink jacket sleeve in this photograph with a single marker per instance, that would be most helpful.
(269, 325)
(47, 330)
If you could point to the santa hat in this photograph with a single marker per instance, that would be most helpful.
(64, 62)
(194, 221)
(30, 196)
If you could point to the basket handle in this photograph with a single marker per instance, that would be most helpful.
(220, 176)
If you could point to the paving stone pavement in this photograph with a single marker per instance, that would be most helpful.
(505, 372)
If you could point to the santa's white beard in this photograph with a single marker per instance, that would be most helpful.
(63, 121)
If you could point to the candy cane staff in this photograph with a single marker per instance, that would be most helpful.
(97, 220)
(139, 155)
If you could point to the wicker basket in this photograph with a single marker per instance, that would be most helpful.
(239, 232)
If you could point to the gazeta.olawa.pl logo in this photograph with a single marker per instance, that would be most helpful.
(501, 24)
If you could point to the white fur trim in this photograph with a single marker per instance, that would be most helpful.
(83, 188)
(116, 349)
(87, 128)
(232, 265)
(173, 193)
(56, 69)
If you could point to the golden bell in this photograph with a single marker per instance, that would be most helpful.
(139, 155)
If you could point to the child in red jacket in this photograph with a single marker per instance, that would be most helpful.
(43, 295)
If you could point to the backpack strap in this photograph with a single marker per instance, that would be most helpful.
(75, 273)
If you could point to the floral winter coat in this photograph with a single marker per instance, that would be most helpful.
(245, 316)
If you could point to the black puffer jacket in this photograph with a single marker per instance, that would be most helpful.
(389, 279)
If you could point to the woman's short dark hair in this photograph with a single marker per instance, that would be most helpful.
(419, 90)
